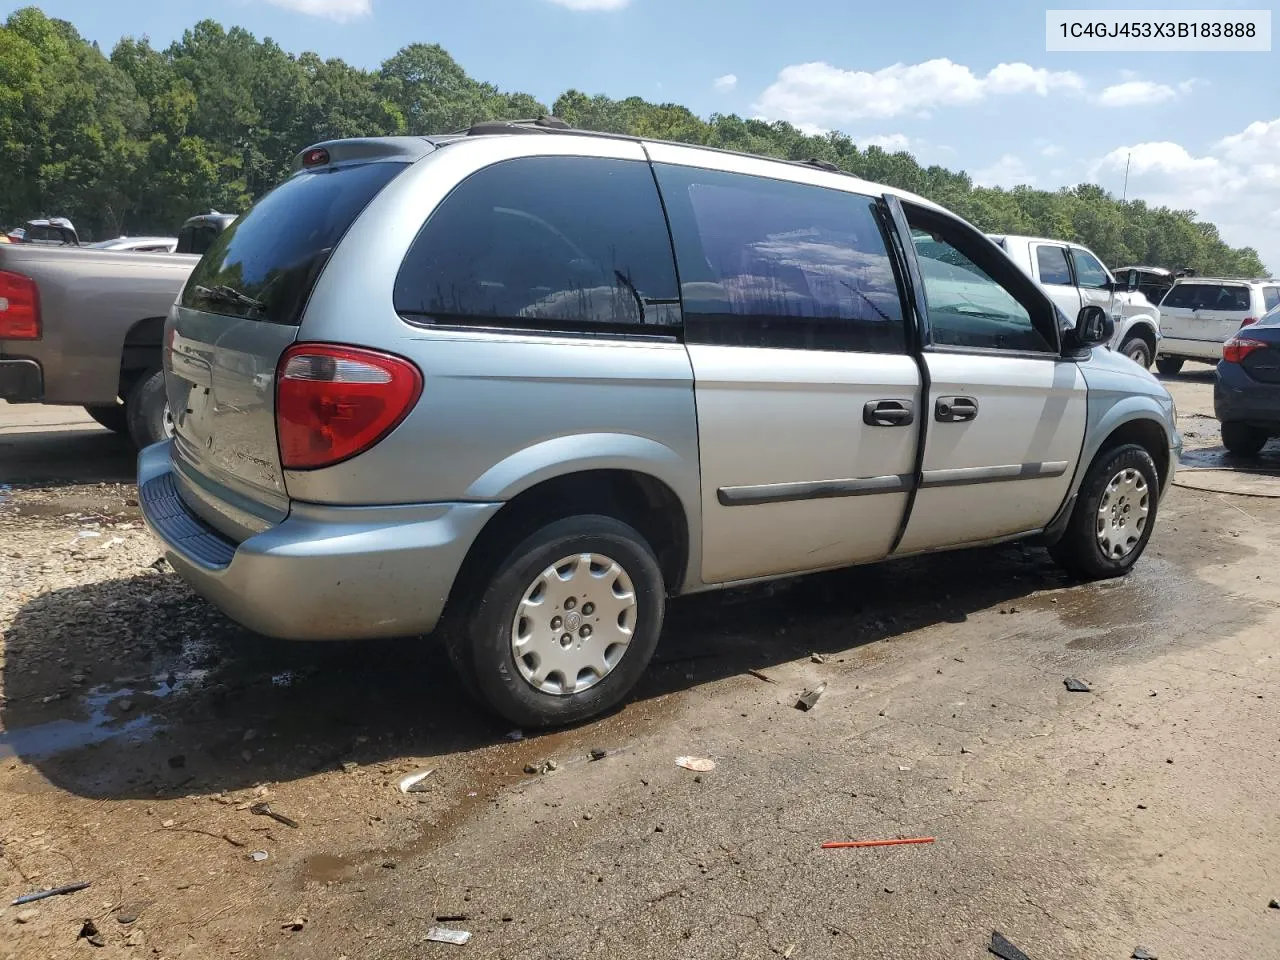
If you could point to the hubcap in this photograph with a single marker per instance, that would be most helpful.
(1137, 354)
(1122, 513)
(167, 423)
(573, 624)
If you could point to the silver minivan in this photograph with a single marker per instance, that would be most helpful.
(521, 385)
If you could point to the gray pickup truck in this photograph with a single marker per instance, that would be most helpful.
(83, 326)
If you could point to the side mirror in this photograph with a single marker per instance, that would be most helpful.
(1093, 328)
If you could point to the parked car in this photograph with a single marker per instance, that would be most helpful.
(55, 231)
(83, 326)
(1246, 393)
(1074, 277)
(468, 383)
(199, 232)
(138, 244)
(1199, 315)
(1152, 282)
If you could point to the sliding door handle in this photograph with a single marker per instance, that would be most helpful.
(889, 413)
(955, 409)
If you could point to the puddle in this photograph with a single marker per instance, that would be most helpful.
(42, 740)
(1217, 458)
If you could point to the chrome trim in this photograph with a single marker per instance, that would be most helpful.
(963, 476)
(812, 490)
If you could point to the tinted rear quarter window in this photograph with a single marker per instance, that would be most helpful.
(264, 265)
(1052, 262)
(770, 263)
(1270, 298)
(1209, 296)
(557, 244)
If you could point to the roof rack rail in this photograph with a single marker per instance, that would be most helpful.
(822, 164)
(534, 125)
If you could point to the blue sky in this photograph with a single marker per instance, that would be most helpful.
(965, 85)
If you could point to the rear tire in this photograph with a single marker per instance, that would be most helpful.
(1114, 515)
(553, 560)
(1243, 440)
(114, 418)
(1169, 366)
(1137, 350)
(147, 409)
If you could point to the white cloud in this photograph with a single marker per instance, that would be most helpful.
(1136, 93)
(822, 94)
(339, 10)
(726, 83)
(1008, 171)
(591, 4)
(888, 142)
(1235, 184)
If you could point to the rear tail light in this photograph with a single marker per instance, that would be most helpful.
(19, 307)
(1246, 321)
(1237, 348)
(334, 402)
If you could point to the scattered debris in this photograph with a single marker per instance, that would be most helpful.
(789, 952)
(55, 892)
(413, 782)
(851, 844)
(515, 736)
(444, 935)
(809, 697)
(297, 923)
(167, 823)
(26, 916)
(1076, 686)
(349, 766)
(1142, 953)
(965, 750)
(541, 767)
(454, 917)
(128, 915)
(697, 764)
(761, 675)
(817, 658)
(1274, 904)
(598, 754)
(258, 856)
(1002, 948)
(264, 810)
(89, 931)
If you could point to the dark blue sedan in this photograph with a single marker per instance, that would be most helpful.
(1246, 397)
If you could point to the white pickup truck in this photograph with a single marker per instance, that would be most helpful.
(1074, 277)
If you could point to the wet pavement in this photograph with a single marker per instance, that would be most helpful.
(138, 727)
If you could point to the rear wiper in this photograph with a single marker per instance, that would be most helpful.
(225, 294)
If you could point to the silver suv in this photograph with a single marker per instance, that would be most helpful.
(522, 385)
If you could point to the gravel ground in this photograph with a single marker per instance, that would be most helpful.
(138, 727)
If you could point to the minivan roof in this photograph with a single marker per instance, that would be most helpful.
(415, 148)
(1241, 280)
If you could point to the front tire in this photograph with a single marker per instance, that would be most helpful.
(566, 625)
(1137, 350)
(114, 418)
(1243, 440)
(1169, 366)
(1114, 515)
(147, 409)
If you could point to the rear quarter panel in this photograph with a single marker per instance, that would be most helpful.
(89, 300)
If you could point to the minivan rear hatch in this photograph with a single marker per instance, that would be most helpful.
(1209, 311)
(240, 310)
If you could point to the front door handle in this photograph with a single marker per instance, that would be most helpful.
(955, 409)
(889, 413)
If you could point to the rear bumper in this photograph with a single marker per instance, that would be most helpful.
(21, 381)
(1238, 398)
(1191, 349)
(323, 573)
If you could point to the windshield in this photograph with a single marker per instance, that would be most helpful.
(264, 265)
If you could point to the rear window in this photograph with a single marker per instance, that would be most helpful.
(1270, 298)
(264, 265)
(1208, 296)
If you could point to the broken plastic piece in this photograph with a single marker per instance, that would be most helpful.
(848, 844)
(810, 697)
(696, 764)
(258, 856)
(444, 935)
(1142, 953)
(413, 782)
(1076, 686)
(1002, 948)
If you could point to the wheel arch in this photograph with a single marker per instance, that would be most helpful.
(140, 351)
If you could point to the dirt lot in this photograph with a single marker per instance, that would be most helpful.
(138, 726)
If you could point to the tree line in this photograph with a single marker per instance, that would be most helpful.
(137, 141)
